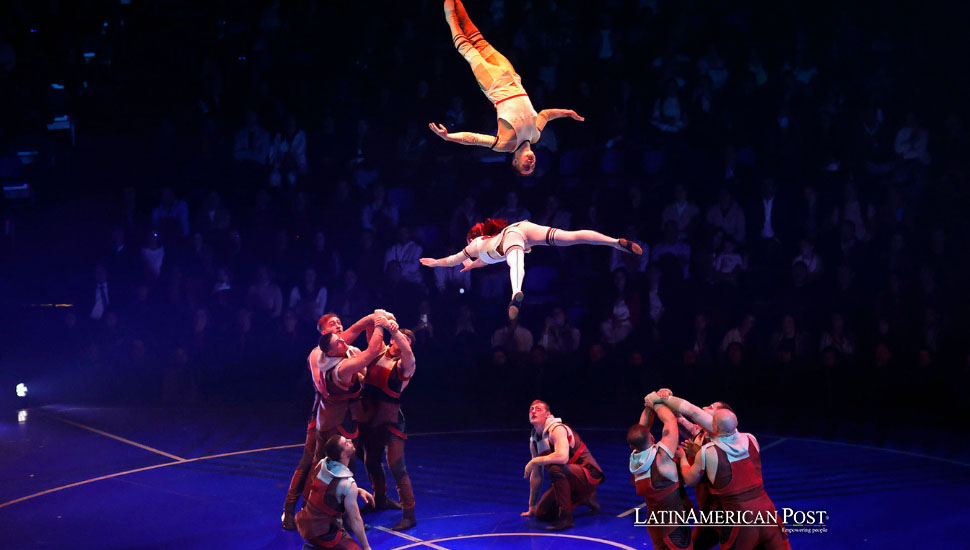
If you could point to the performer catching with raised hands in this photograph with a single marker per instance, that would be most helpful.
(329, 323)
(519, 126)
(705, 537)
(656, 478)
(493, 241)
(732, 464)
(382, 424)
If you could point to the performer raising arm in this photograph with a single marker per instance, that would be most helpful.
(732, 464)
(519, 126)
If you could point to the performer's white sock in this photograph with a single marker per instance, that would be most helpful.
(515, 257)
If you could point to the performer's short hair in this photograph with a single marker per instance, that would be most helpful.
(333, 447)
(638, 437)
(541, 402)
(322, 323)
(325, 339)
(409, 334)
(725, 406)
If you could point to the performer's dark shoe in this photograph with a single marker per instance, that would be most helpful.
(386, 504)
(289, 523)
(406, 522)
(515, 306)
(564, 522)
(594, 507)
(389, 504)
(630, 246)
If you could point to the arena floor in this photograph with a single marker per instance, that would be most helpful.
(82, 477)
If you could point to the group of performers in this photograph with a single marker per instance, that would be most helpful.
(723, 464)
(357, 406)
(358, 391)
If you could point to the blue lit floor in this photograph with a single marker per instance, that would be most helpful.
(216, 478)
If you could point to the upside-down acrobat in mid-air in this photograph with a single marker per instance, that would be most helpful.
(519, 126)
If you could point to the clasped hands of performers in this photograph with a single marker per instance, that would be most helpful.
(386, 320)
(687, 448)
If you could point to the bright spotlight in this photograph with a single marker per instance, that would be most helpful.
(21, 416)
(21, 390)
(461, 290)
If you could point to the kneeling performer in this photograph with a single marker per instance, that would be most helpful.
(574, 472)
(333, 494)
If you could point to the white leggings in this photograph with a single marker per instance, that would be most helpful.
(524, 235)
(486, 62)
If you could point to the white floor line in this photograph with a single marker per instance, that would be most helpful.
(153, 467)
(116, 437)
(408, 537)
(773, 443)
(632, 510)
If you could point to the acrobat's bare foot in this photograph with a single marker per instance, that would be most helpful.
(629, 246)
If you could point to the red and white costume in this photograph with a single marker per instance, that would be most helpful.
(738, 485)
(661, 494)
(572, 483)
(512, 105)
(381, 396)
(382, 427)
(319, 520)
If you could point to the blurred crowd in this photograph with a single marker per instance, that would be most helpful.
(796, 175)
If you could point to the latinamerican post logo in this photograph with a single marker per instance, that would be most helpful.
(793, 521)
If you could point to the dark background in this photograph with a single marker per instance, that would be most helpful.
(861, 105)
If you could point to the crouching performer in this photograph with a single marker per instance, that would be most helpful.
(574, 472)
(333, 495)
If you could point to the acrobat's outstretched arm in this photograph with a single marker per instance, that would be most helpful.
(465, 138)
(450, 261)
(546, 115)
(469, 257)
